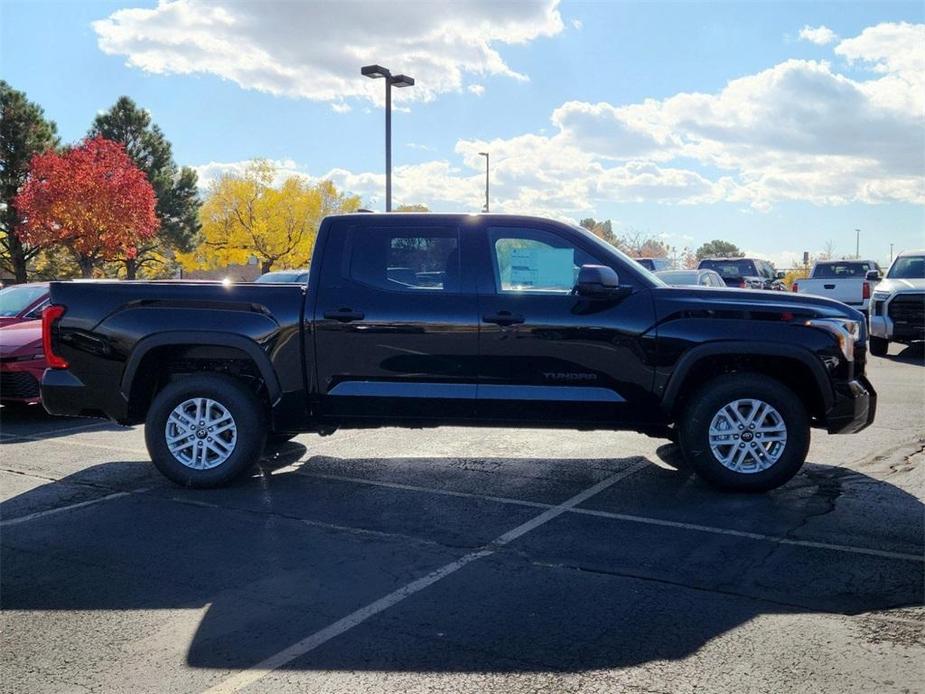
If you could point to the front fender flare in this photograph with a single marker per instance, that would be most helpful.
(689, 361)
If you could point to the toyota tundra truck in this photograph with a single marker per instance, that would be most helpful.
(426, 320)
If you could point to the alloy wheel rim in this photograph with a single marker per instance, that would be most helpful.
(201, 433)
(748, 435)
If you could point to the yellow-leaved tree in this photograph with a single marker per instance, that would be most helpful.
(245, 215)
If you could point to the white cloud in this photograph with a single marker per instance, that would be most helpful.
(577, 24)
(820, 35)
(476, 89)
(315, 50)
(799, 130)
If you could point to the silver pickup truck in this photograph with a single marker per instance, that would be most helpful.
(848, 281)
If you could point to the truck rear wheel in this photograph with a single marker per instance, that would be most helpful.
(745, 432)
(879, 346)
(205, 430)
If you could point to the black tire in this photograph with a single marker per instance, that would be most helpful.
(240, 402)
(706, 403)
(879, 346)
(275, 438)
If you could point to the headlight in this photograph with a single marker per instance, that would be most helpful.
(845, 330)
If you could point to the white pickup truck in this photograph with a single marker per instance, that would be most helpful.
(847, 281)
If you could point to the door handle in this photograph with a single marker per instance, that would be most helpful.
(344, 315)
(503, 318)
(829, 286)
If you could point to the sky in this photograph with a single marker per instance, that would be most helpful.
(778, 126)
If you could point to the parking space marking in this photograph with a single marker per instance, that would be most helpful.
(629, 518)
(69, 507)
(248, 677)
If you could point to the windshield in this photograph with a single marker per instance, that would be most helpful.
(14, 300)
(679, 277)
(730, 268)
(642, 270)
(908, 267)
(827, 271)
(290, 276)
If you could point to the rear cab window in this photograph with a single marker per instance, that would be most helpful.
(842, 270)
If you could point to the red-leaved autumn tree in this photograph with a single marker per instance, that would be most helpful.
(91, 199)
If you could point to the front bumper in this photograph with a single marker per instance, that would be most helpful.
(19, 380)
(854, 407)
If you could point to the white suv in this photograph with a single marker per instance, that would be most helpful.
(897, 306)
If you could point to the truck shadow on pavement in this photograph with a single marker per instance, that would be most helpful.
(32, 421)
(306, 541)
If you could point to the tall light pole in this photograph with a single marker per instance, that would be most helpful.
(857, 244)
(376, 72)
(891, 254)
(487, 159)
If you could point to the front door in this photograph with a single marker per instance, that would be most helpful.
(396, 329)
(547, 355)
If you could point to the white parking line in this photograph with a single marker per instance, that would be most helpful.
(296, 468)
(646, 520)
(310, 643)
(69, 507)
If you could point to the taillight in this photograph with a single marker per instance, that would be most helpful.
(866, 291)
(796, 287)
(50, 316)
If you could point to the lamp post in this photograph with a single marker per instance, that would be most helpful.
(857, 244)
(377, 72)
(487, 159)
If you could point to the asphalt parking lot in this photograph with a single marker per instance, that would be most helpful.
(464, 560)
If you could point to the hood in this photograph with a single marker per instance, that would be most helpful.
(757, 300)
(10, 320)
(20, 338)
(899, 285)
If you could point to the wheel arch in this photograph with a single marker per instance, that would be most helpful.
(795, 366)
(140, 375)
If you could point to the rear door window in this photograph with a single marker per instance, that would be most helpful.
(405, 259)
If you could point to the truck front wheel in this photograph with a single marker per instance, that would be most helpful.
(205, 430)
(745, 432)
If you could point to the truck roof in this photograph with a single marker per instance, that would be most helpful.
(449, 216)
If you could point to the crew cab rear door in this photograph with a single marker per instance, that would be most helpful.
(547, 355)
(395, 320)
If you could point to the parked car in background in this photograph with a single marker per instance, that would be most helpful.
(300, 276)
(745, 273)
(897, 311)
(22, 361)
(848, 281)
(22, 302)
(691, 278)
(654, 264)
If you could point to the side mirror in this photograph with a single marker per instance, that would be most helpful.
(597, 281)
(781, 274)
(873, 276)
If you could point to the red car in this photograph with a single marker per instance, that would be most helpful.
(22, 362)
(22, 302)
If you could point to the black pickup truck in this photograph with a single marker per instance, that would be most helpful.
(485, 320)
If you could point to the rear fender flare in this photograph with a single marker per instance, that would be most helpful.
(198, 339)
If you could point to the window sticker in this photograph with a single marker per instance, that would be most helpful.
(540, 268)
